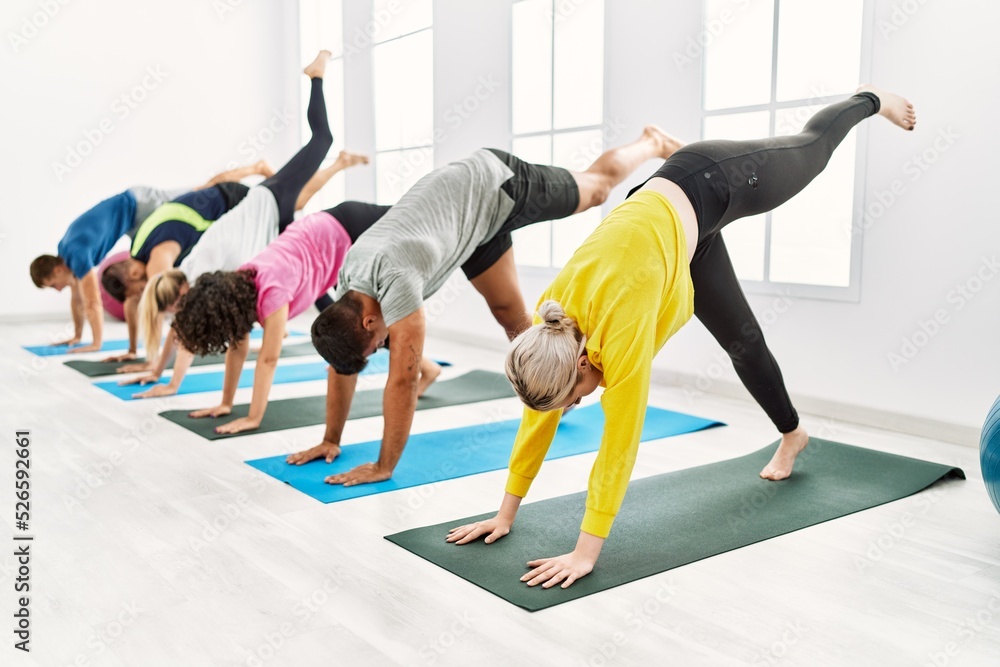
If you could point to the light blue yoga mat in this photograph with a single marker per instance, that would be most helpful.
(196, 383)
(116, 345)
(441, 455)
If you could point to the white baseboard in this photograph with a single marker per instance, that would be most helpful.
(858, 414)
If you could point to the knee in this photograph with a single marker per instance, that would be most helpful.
(510, 315)
(598, 193)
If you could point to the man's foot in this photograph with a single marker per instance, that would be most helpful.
(780, 466)
(264, 168)
(427, 377)
(666, 144)
(317, 68)
(897, 109)
(349, 159)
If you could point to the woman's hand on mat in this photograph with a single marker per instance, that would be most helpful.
(493, 529)
(217, 411)
(566, 569)
(238, 425)
(366, 473)
(128, 356)
(326, 450)
(85, 348)
(158, 391)
(141, 379)
(136, 368)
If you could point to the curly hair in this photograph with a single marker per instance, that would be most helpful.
(340, 337)
(218, 311)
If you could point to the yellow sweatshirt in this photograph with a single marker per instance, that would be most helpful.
(628, 288)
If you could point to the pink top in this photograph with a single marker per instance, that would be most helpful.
(300, 265)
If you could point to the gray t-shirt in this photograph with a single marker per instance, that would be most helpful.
(435, 227)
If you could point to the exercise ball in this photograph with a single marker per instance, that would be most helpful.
(989, 454)
(112, 306)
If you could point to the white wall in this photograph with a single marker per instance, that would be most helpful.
(224, 72)
(928, 241)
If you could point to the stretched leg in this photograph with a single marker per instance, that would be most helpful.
(614, 166)
(290, 179)
(322, 177)
(721, 306)
(499, 286)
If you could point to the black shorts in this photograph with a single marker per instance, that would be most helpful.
(357, 217)
(232, 193)
(539, 193)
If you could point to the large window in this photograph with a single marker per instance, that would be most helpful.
(403, 88)
(557, 109)
(768, 66)
(321, 26)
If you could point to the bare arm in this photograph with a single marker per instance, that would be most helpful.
(236, 356)
(162, 258)
(85, 303)
(339, 394)
(263, 375)
(406, 346)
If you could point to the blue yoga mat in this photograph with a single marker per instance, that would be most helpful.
(196, 383)
(116, 345)
(433, 457)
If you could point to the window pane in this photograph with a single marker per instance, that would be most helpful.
(531, 67)
(745, 238)
(321, 26)
(811, 233)
(403, 92)
(819, 48)
(579, 64)
(397, 171)
(738, 52)
(576, 151)
(533, 244)
(392, 18)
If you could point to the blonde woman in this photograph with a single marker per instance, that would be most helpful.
(655, 261)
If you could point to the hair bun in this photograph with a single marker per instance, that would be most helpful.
(554, 315)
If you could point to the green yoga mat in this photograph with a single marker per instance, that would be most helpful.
(677, 518)
(472, 387)
(95, 369)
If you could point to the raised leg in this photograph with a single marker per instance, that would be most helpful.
(614, 166)
(322, 177)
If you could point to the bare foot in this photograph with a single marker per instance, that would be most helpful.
(264, 168)
(780, 466)
(317, 68)
(897, 109)
(428, 374)
(666, 144)
(349, 159)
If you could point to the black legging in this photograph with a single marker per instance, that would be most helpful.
(290, 179)
(728, 180)
(356, 218)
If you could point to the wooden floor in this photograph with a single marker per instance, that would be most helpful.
(155, 547)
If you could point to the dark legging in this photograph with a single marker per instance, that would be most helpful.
(728, 180)
(290, 179)
(356, 218)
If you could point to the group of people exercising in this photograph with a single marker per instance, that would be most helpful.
(222, 257)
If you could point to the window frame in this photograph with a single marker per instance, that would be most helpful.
(767, 287)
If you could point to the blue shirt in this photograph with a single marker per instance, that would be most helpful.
(91, 236)
(210, 203)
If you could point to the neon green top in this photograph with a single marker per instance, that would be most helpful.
(629, 289)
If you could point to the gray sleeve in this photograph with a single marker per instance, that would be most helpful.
(399, 296)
